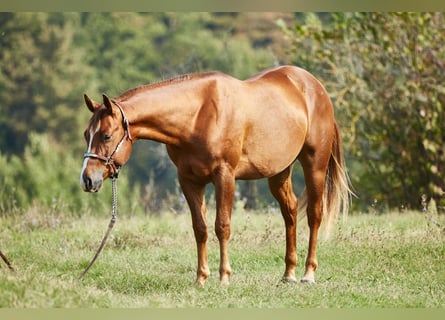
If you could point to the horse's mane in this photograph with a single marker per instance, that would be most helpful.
(184, 77)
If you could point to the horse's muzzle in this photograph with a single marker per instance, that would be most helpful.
(91, 185)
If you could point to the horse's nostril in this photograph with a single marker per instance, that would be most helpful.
(91, 182)
(88, 183)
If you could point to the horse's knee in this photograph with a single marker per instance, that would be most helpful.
(290, 218)
(222, 230)
(201, 234)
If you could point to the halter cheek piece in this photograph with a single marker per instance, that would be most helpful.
(109, 161)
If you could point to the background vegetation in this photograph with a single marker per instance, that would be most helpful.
(384, 71)
(385, 74)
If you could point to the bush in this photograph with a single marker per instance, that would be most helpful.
(385, 73)
(47, 175)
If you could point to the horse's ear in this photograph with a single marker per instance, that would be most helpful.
(92, 105)
(107, 103)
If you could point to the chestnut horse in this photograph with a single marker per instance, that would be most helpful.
(218, 129)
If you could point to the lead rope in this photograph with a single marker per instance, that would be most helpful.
(6, 261)
(110, 225)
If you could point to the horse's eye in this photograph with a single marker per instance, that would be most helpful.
(107, 137)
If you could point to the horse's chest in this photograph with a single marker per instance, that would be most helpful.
(193, 164)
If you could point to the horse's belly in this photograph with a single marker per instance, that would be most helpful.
(271, 147)
(247, 171)
(267, 161)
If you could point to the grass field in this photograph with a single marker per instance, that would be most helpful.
(390, 260)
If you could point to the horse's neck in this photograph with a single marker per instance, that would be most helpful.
(164, 114)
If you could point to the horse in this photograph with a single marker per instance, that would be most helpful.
(218, 129)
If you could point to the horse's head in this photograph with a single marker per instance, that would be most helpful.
(109, 143)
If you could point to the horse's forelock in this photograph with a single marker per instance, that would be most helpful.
(96, 117)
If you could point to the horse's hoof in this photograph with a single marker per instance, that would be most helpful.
(307, 280)
(199, 283)
(289, 280)
(224, 282)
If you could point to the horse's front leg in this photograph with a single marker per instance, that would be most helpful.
(194, 194)
(224, 182)
(281, 188)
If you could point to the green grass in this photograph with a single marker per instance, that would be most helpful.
(391, 260)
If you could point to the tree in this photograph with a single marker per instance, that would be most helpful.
(386, 75)
(42, 76)
(49, 60)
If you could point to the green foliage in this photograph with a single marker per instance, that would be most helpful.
(385, 73)
(47, 62)
(42, 78)
(48, 176)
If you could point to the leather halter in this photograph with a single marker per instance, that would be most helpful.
(109, 161)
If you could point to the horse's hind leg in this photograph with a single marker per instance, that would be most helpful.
(315, 165)
(281, 188)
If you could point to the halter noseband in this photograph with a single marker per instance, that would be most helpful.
(109, 160)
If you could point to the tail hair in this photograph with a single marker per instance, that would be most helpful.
(338, 192)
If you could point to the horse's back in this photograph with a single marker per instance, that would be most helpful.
(307, 93)
(294, 79)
